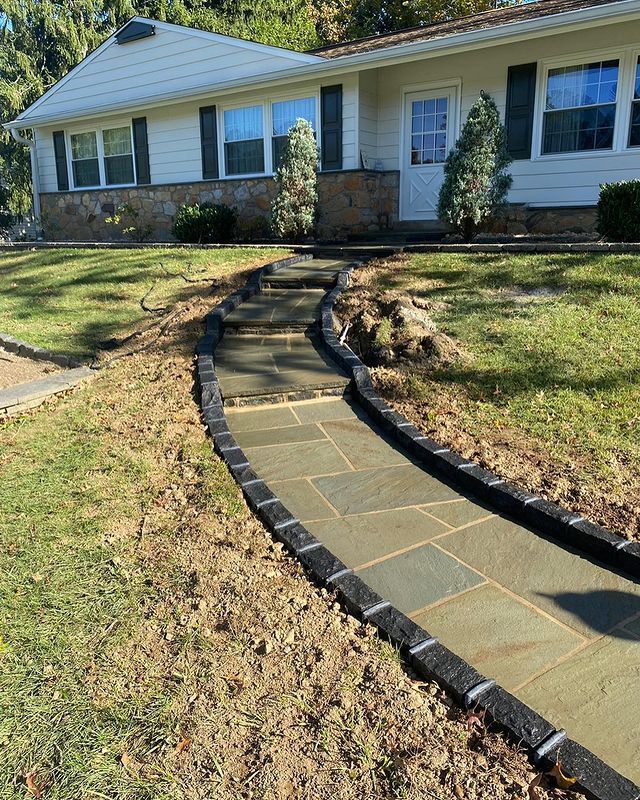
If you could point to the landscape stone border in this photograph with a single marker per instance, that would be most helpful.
(426, 655)
(30, 394)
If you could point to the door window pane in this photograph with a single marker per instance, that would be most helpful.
(118, 156)
(429, 131)
(580, 109)
(243, 140)
(84, 159)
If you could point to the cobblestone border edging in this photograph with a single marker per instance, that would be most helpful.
(427, 656)
(32, 351)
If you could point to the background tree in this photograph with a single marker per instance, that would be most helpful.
(6, 218)
(293, 212)
(476, 180)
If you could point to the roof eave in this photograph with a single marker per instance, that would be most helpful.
(513, 31)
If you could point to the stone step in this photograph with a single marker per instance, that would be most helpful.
(277, 308)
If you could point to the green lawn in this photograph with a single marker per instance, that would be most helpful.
(68, 300)
(554, 351)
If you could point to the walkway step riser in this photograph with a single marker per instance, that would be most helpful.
(287, 397)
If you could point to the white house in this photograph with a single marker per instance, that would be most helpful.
(160, 115)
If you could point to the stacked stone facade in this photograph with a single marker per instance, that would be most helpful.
(349, 202)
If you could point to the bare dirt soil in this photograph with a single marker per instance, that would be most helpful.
(14, 369)
(282, 695)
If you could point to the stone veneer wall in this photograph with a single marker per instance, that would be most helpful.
(350, 202)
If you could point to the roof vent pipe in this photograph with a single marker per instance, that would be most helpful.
(35, 179)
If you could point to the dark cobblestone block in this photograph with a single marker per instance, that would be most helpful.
(210, 396)
(362, 378)
(216, 426)
(448, 463)
(425, 449)
(476, 479)
(10, 344)
(509, 498)
(398, 628)
(355, 594)
(321, 563)
(224, 441)
(594, 776)
(628, 559)
(275, 516)
(295, 538)
(518, 719)
(214, 326)
(206, 345)
(547, 517)
(257, 493)
(594, 539)
(235, 458)
(451, 672)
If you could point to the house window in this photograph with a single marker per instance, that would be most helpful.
(284, 115)
(118, 156)
(634, 133)
(429, 131)
(243, 141)
(580, 108)
(84, 159)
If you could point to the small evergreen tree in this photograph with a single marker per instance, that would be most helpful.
(475, 178)
(6, 217)
(293, 211)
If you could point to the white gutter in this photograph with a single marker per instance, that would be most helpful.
(35, 178)
(327, 67)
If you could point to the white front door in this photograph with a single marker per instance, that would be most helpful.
(428, 135)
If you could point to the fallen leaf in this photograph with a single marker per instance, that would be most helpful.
(36, 578)
(475, 721)
(34, 789)
(183, 744)
(534, 794)
(129, 763)
(458, 791)
(563, 781)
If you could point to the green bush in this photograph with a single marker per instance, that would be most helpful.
(6, 217)
(294, 209)
(476, 180)
(205, 223)
(619, 211)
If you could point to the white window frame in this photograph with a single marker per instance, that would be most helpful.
(221, 140)
(98, 129)
(633, 56)
(626, 71)
(267, 128)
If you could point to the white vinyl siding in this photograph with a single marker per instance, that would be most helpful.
(558, 180)
(368, 118)
(171, 61)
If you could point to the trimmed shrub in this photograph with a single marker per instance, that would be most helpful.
(205, 223)
(294, 209)
(476, 182)
(618, 213)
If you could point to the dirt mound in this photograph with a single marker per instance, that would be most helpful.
(391, 327)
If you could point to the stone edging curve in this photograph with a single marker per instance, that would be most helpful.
(426, 655)
(35, 353)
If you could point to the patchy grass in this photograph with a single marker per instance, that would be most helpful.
(68, 300)
(156, 643)
(553, 368)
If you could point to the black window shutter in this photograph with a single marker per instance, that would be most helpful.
(521, 91)
(209, 143)
(331, 136)
(60, 152)
(141, 150)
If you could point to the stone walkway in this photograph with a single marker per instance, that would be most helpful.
(555, 628)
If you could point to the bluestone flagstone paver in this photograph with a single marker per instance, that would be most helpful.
(381, 489)
(368, 537)
(302, 500)
(419, 578)
(594, 696)
(559, 630)
(511, 641)
(258, 419)
(570, 587)
(279, 462)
